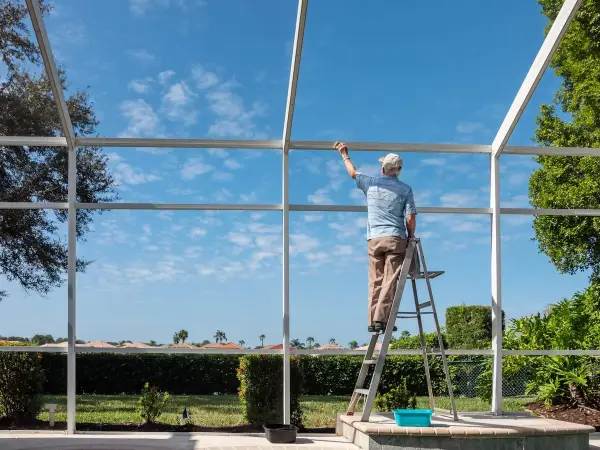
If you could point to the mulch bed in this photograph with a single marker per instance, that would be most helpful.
(579, 415)
(61, 426)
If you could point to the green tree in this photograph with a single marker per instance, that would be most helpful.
(183, 335)
(262, 338)
(220, 337)
(242, 343)
(40, 173)
(405, 334)
(297, 343)
(332, 341)
(176, 338)
(310, 340)
(41, 339)
(571, 120)
(352, 344)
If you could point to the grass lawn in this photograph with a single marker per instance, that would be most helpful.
(215, 411)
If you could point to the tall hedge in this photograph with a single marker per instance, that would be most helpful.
(469, 327)
(261, 389)
(112, 373)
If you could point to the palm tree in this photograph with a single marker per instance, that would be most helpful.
(262, 338)
(297, 343)
(183, 335)
(405, 334)
(220, 337)
(332, 341)
(353, 344)
(242, 343)
(310, 341)
(176, 338)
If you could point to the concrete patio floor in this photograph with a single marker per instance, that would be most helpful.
(162, 441)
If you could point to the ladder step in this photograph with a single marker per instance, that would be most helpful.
(424, 305)
(364, 392)
(370, 361)
(413, 314)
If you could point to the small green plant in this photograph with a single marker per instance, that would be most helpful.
(151, 403)
(397, 398)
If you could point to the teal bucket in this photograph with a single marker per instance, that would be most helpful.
(413, 417)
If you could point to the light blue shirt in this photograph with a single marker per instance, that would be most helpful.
(389, 201)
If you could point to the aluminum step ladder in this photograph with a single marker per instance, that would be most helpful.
(410, 270)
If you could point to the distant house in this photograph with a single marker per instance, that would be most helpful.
(330, 347)
(276, 347)
(181, 346)
(135, 345)
(366, 347)
(227, 345)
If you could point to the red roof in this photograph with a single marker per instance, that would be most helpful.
(276, 347)
(229, 345)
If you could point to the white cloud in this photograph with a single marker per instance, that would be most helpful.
(240, 239)
(203, 78)
(222, 176)
(233, 119)
(141, 86)
(460, 199)
(139, 8)
(358, 196)
(218, 152)
(312, 217)
(143, 121)
(471, 127)
(177, 103)
(319, 197)
(194, 167)
(164, 76)
(302, 243)
(232, 164)
(343, 250)
(197, 232)
(143, 55)
(370, 169)
(317, 256)
(125, 173)
(434, 161)
(518, 201)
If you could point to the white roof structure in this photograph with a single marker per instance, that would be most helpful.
(495, 149)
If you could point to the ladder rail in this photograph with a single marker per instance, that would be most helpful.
(423, 347)
(439, 334)
(362, 375)
(387, 336)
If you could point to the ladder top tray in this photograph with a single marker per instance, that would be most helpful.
(421, 275)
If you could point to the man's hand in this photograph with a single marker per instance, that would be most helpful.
(342, 148)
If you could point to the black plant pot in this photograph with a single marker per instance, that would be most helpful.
(280, 434)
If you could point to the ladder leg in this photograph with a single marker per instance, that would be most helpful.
(423, 347)
(362, 376)
(439, 334)
(387, 336)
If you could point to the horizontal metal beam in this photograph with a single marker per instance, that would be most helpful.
(32, 205)
(393, 147)
(32, 141)
(180, 206)
(180, 143)
(557, 151)
(315, 352)
(550, 212)
(552, 352)
(421, 210)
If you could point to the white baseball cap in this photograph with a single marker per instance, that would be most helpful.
(391, 162)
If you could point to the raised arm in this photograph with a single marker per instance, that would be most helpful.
(343, 149)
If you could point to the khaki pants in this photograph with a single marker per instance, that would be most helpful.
(385, 260)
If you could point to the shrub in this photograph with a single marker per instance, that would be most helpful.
(396, 398)
(151, 403)
(21, 386)
(469, 327)
(261, 390)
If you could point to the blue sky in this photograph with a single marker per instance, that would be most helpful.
(392, 71)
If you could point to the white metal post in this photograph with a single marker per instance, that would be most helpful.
(287, 134)
(39, 27)
(536, 71)
(496, 285)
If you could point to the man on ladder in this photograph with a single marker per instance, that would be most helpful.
(390, 202)
(395, 256)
